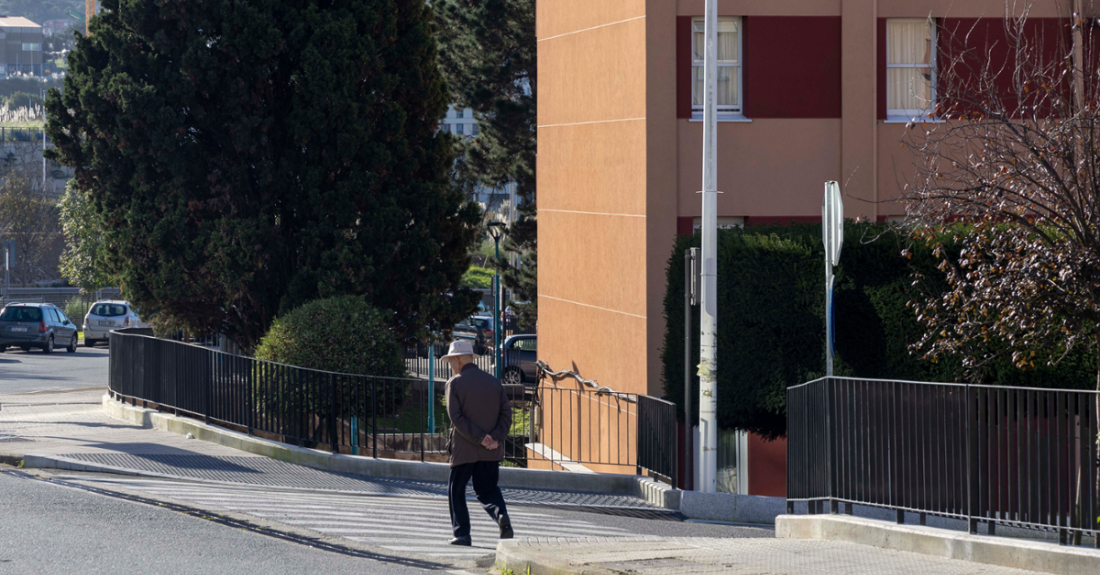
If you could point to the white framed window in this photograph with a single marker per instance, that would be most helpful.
(910, 68)
(729, 66)
(460, 128)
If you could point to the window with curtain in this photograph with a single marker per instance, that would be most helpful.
(910, 67)
(729, 65)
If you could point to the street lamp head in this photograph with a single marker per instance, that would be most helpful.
(496, 230)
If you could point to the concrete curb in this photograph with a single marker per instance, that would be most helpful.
(653, 492)
(732, 508)
(527, 562)
(1014, 553)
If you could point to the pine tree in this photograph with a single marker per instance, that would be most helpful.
(488, 54)
(248, 157)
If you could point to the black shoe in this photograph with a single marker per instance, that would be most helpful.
(464, 541)
(506, 527)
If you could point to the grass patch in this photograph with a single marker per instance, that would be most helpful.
(21, 123)
(478, 278)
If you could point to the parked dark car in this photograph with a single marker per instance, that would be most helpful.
(38, 325)
(472, 334)
(520, 354)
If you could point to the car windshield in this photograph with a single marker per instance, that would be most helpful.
(109, 309)
(21, 314)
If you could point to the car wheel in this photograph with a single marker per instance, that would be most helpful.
(72, 344)
(89, 342)
(48, 348)
(512, 376)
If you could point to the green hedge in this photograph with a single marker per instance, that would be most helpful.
(771, 321)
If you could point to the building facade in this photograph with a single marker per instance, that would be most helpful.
(20, 46)
(808, 91)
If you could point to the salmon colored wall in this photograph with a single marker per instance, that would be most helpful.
(592, 185)
(661, 177)
(755, 172)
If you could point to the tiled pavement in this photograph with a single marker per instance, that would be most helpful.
(75, 427)
(409, 526)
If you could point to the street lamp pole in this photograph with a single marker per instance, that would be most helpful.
(707, 480)
(496, 231)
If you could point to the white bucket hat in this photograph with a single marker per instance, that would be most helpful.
(459, 347)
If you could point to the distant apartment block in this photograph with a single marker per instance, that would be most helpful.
(460, 122)
(20, 46)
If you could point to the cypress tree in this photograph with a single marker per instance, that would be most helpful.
(249, 156)
(488, 54)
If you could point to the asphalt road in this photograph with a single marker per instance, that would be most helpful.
(29, 371)
(46, 528)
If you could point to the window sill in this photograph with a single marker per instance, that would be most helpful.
(915, 120)
(738, 118)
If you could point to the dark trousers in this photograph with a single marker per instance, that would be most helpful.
(485, 475)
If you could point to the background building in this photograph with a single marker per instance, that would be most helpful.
(809, 91)
(20, 46)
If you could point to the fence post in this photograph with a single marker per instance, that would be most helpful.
(208, 377)
(971, 459)
(830, 436)
(374, 417)
(332, 417)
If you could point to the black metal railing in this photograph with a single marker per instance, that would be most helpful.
(552, 427)
(997, 455)
(418, 362)
(657, 436)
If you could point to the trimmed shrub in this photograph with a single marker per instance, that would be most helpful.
(341, 334)
(771, 321)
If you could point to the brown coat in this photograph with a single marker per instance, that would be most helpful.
(477, 406)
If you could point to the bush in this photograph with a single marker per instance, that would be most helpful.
(478, 278)
(771, 321)
(76, 308)
(341, 334)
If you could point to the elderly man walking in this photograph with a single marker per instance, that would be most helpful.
(480, 418)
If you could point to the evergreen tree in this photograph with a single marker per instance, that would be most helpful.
(83, 262)
(488, 53)
(247, 157)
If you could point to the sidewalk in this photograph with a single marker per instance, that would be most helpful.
(73, 427)
(698, 555)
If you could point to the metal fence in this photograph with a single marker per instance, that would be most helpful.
(552, 427)
(1001, 456)
(417, 361)
(60, 297)
(28, 134)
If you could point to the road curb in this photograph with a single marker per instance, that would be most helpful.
(1028, 555)
(653, 492)
(514, 557)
